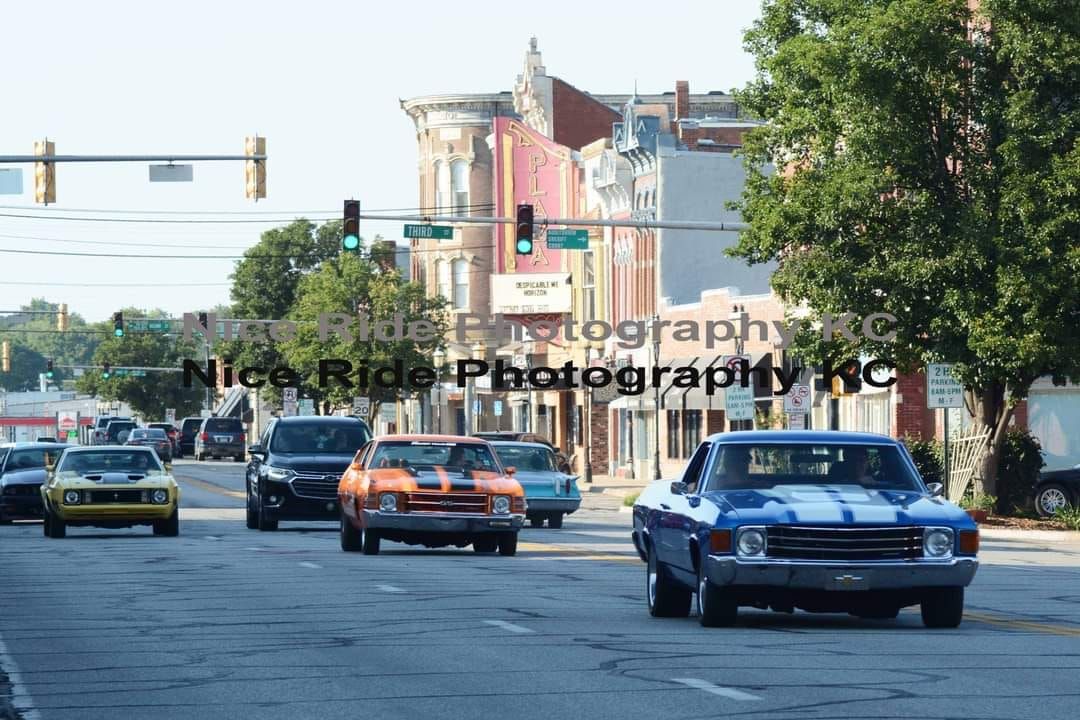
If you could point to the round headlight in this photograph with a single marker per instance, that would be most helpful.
(388, 502)
(751, 542)
(938, 543)
(71, 497)
(161, 495)
(501, 504)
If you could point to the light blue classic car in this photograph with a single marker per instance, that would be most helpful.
(816, 520)
(549, 494)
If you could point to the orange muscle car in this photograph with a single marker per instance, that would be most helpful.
(431, 490)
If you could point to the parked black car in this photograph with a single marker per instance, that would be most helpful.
(154, 438)
(295, 468)
(189, 428)
(22, 471)
(220, 437)
(1057, 489)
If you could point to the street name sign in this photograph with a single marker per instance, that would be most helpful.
(11, 181)
(434, 232)
(171, 173)
(738, 400)
(568, 239)
(942, 389)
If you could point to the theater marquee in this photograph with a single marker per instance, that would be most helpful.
(536, 293)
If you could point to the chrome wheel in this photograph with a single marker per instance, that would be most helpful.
(1051, 499)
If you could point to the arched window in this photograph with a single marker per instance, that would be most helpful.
(442, 185)
(459, 186)
(442, 279)
(461, 284)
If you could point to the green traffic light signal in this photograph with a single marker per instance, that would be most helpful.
(350, 243)
(118, 324)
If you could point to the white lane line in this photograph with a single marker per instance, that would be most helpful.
(311, 565)
(716, 689)
(389, 588)
(212, 537)
(508, 626)
(20, 696)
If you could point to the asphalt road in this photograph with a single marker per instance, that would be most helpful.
(225, 622)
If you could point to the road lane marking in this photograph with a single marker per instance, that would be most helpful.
(211, 487)
(508, 626)
(311, 565)
(389, 588)
(212, 537)
(574, 553)
(708, 687)
(20, 696)
(1030, 625)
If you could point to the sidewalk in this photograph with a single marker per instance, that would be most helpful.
(613, 486)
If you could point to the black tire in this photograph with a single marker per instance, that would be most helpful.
(715, 604)
(488, 543)
(1050, 497)
(265, 524)
(239, 458)
(555, 520)
(943, 607)
(45, 521)
(508, 543)
(352, 538)
(169, 527)
(57, 526)
(371, 541)
(664, 596)
(536, 521)
(252, 515)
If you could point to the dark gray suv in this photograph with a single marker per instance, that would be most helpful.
(220, 437)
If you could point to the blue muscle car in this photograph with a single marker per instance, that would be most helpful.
(549, 493)
(816, 520)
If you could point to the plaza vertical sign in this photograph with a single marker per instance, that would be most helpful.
(531, 169)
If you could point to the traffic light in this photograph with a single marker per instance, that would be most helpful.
(49, 368)
(350, 229)
(254, 170)
(523, 238)
(5, 356)
(106, 371)
(848, 381)
(45, 173)
(62, 318)
(118, 324)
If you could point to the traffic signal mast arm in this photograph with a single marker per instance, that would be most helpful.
(570, 222)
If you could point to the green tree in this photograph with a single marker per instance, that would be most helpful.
(34, 339)
(151, 394)
(357, 284)
(930, 169)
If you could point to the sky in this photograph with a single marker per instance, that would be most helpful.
(320, 80)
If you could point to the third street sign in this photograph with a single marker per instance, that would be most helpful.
(437, 232)
(568, 239)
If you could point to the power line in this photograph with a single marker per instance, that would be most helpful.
(137, 243)
(217, 221)
(112, 285)
(223, 212)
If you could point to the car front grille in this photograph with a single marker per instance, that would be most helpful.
(873, 543)
(318, 486)
(446, 502)
(22, 490)
(112, 497)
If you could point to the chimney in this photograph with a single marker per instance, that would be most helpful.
(682, 99)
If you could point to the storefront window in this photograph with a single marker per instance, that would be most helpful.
(691, 431)
(674, 441)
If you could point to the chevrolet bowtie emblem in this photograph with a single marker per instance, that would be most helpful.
(446, 503)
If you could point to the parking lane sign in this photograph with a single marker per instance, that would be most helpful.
(942, 389)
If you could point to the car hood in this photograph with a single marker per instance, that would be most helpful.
(112, 479)
(403, 480)
(327, 463)
(837, 505)
(30, 476)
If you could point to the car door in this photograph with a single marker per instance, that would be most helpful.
(256, 462)
(677, 513)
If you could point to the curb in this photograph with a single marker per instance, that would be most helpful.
(1062, 536)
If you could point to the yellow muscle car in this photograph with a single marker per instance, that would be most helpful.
(110, 487)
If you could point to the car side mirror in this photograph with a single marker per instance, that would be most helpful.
(256, 449)
(354, 466)
(678, 487)
(936, 489)
(510, 470)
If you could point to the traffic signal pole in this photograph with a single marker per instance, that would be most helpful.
(571, 222)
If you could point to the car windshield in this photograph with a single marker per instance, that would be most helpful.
(526, 459)
(429, 455)
(338, 438)
(117, 461)
(30, 459)
(764, 467)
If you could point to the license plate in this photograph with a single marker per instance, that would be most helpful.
(846, 581)
(223, 438)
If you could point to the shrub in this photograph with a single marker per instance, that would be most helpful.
(927, 455)
(1069, 516)
(1021, 460)
(629, 500)
(971, 501)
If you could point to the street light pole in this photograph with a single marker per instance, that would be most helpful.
(737, 312)
(472, 416)
(588, 422)
(438, 359)
(656, 396)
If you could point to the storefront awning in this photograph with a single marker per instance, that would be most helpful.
(633, 402)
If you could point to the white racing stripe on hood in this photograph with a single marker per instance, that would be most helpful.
(821, 503)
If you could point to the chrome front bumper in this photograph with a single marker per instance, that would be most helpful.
(727, 570)
(442, 522)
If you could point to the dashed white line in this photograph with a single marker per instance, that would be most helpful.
(708, 687)
(508, 626)
(212, 537)
(389, 588)
(311, 565)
